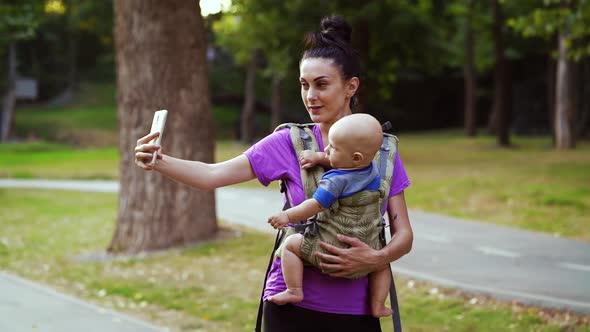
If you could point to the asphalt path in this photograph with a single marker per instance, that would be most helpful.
(480, 258)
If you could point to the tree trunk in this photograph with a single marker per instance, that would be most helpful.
(275, 102)
(551, 71)
(9, 98)
(72, 51)
(249, 107)
(564, 100)
(584, 81)
(361, 41)
(160, 49)
(500, 120)
(470, 76)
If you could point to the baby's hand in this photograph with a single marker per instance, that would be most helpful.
(308, 158)
(279, 220)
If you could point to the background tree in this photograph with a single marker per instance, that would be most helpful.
(501, 109)
(18, 21)
(470, 74)
(469, 48)
(237, 31)
(569, 22)
(162, 66)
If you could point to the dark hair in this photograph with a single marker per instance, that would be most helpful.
(334, 42)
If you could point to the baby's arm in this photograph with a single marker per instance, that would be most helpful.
(307, 209)
(308, 159)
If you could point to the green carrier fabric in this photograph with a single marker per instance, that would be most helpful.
(303, 138)
(357, 216)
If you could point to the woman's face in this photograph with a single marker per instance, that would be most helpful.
(325, 93)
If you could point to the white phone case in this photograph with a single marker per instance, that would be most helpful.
(158, 124)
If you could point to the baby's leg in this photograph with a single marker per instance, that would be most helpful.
(292, 266)
(379, 282)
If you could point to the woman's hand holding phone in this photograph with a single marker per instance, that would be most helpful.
(145, 151)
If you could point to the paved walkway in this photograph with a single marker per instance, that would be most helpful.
(27, 307)
(506, 263)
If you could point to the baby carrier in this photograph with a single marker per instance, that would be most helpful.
(303, 138)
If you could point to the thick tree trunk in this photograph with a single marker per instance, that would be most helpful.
(275, 102)
(500, 120)
(470, 76)
(564, 101)
(9, 98)
(249, 107)
(161, 65)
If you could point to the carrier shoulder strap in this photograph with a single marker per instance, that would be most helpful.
(303, 138)
(386, 162)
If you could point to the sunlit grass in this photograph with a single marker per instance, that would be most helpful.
(209, 287)
(530, 186)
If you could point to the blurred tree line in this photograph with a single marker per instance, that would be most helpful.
(502, 66)
(56, 42)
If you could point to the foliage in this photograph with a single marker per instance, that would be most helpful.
(18, 20)
(568, 17)
(458, 13)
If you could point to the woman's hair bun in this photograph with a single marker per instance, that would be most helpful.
(335, 27)
(335, 32)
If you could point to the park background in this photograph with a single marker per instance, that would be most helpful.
(490, 100)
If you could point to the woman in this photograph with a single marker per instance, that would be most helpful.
(329, 77)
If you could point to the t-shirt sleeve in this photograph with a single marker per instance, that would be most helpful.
(328, 191)
(400, 180)
(272, 156)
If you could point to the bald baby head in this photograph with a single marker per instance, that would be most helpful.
(358, 135)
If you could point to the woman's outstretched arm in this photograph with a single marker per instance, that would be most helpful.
(193, 173)
(362, 258)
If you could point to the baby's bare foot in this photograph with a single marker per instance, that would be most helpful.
(291, 295)
(380, 310)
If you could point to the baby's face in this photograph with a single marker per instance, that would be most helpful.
(339, 152)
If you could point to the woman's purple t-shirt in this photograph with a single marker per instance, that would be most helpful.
(273, 158)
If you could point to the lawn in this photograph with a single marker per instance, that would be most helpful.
(48, 236)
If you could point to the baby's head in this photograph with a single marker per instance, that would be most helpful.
(353, 141)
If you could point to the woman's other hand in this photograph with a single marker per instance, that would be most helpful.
(144, 151)
(359, 258)
(308, 158)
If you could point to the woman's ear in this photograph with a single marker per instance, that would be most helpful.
(353, 85)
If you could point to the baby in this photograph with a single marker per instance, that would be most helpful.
(353, 142)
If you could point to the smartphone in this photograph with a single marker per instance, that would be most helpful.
(158, 124)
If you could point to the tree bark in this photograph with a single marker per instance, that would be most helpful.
(584, 81)
(9, 98)
(500, 120)
(275, 102)
(470, 76)
(249, 107)
(564, 100)
(551, 71)
(160, 53)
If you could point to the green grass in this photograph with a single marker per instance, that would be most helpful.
(530, 186)
(57, 161)
(210, 287)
